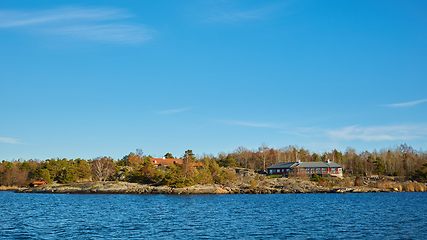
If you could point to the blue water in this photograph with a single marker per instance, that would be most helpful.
(275, 216)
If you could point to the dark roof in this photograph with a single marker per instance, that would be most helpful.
(306, 165)
(283, 165)
(317, 165)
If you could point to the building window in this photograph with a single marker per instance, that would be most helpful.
(317, 170)
(333, 170)
(271, 171)
(339, 169)
(287, 169)
(307, 170)
(323, 169)
(313, 170)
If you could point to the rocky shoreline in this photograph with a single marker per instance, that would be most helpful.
(135, 188)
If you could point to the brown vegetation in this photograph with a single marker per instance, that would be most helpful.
(232, 168)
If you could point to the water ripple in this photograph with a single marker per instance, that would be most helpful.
(279, 216)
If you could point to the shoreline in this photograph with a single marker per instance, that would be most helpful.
(136, 188)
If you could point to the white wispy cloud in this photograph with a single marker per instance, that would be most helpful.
(250, 124)
(95, 24)
(237, 15)
(406, 104)
(173, 111)
(9, 140)
(301, 131)
(379, 133)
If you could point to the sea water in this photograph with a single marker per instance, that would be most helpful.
(272, 216)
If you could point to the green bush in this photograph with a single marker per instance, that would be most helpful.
(317, 178)
(253, 184)
(274, 176)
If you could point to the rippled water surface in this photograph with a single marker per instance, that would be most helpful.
(276, 216)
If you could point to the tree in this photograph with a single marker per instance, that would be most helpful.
(169, 155)
(316, 157)
(228, 161)
(263, 149)
(175, 177)
(102, 168)
(421, 174)
(187, 159)
(41, 174)
(379, 166)
(139, 152)
(205, 175)
(146, 173)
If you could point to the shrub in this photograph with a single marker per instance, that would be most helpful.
(273, 176)
(317, 178)
(253, 184)
(413, 187)
(358, 181)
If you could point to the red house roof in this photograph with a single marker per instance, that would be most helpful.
(165, 161)
(38, 183)
(169, 161)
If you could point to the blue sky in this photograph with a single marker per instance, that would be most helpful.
(87, 79)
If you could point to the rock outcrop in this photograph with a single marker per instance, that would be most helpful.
(135, 188)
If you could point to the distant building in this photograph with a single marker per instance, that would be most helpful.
(309, 168)
(37, 183)
(169, 161)
(165, 161)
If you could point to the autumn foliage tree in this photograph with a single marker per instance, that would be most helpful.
(146, 173)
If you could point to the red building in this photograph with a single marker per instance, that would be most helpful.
(165, 161)
(170, 161)
(37, 183)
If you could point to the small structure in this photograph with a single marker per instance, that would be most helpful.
(165, 161)
(309, 168)
(169, 161)
(37, 183)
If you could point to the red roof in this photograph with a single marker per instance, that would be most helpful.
(165, 161)
(37, 183)
(169, 161)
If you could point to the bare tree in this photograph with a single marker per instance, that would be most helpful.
(102, 168)
(186, 162)
(263, 149)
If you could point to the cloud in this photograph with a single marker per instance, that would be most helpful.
(173, 111)
(94, 24)
(262, 125)
(107, 32)
(9, 140)
(406, 104)
(234, 16)
(301, 131)
(381, 133)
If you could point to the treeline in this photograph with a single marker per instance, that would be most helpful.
(400, 161)
(136, 167)
(22, 173)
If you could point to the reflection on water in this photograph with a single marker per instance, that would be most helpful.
(316, 216)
